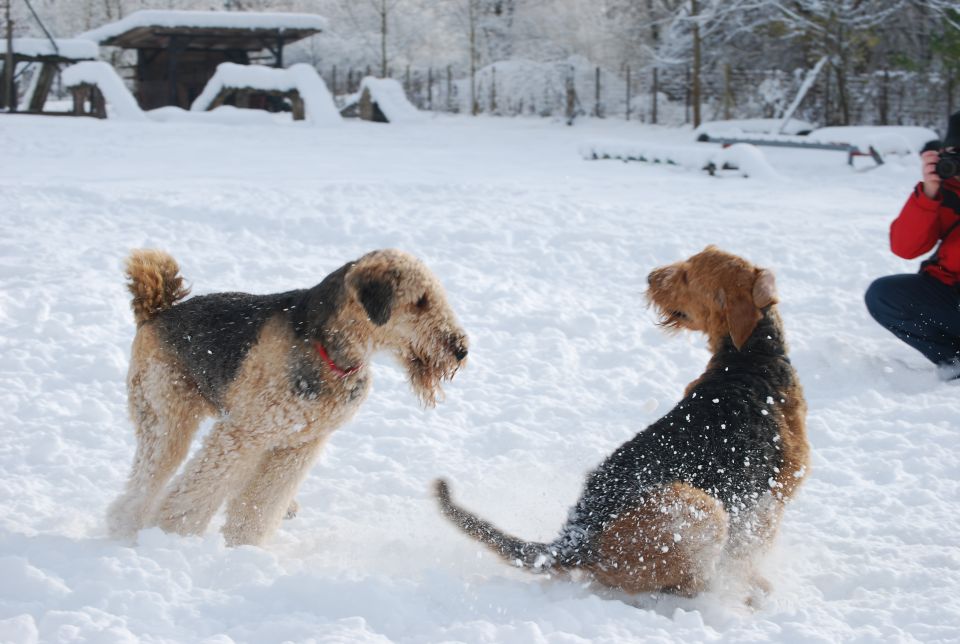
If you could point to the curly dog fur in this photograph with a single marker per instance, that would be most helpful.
(707, 483)
(279, 373)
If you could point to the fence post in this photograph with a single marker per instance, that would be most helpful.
(333, 83)
(493, 91)
(449, 87)
(406, 80)
(430, 88)
(628, 92)
(686, 99)
(596, 94)
(653, 107)
(727, 93)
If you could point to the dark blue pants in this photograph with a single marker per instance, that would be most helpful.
(920, 310)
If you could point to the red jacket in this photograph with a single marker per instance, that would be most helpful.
(921, 225)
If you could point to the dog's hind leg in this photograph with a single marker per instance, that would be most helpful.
(223, 463)
(671, 541)
(166, 411)
(256, 511)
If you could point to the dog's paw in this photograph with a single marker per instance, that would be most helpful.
(292, 510)
(758, 591)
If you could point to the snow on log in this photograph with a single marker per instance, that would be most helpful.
(105, 78)
(388, 96)
(318, 105)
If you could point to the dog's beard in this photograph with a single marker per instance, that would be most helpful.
(427, 374)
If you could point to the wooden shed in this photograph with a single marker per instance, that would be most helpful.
(178, 51)
(49, 55)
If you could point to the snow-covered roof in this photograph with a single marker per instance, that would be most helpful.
(105, 77)
(317, 100)
(75, 48)
(389, 96)
(254, 21)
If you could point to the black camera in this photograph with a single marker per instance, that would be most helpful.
(948, 165)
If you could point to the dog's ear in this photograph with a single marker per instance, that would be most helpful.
(742, 316)
(376, 296)
(764, 289)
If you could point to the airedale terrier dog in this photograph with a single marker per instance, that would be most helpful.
(279, 373)
(703, 488)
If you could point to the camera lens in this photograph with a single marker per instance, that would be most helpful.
(948, 166)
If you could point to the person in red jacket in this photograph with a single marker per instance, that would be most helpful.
(923, 309)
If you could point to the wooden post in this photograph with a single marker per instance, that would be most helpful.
(695, 92)
(42, 88)
(406, 80)
(430, 88)
(686, 99)
(597, 111)
(333, 83)
(8, 95)
(628, 92)
(885, 98)
(727, 93)
(653, 100)
(296, 106)
(493, 90)
(449, 87)
(98, 104)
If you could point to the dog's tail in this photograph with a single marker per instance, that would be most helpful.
(155, 283)
(530, 555)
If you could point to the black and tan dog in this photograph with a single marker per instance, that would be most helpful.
(279, 372)
(706, 484)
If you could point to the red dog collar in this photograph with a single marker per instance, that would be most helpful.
(342, 373)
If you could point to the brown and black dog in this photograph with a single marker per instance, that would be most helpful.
(707, 483)
(279, 373)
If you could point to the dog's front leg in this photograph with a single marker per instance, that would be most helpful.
(256, 512)
(221, 465)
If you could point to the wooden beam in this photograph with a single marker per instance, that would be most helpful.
(42, 88)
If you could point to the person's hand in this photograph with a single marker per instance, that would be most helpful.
(931, 180)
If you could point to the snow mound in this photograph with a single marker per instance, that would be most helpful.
(747, 159)
(225, 115)
(119, 99)
(317, 100)
(389, 96)
(76, 48)
(206, 19)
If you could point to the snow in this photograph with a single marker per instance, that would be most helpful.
(206, 19)
(544, 258)
(748, 159)
(388, 94)
(75, 48)
(885, 139)
(751, 127)
(318, 102)
(121, 102)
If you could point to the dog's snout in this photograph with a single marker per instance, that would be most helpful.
(460, 352)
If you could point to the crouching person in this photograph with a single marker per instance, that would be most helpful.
(923, 309)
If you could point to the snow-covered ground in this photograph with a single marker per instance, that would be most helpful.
(544, 256)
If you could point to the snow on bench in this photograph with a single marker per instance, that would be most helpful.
(900, 140)
(300, 83)
(100, 82)
(862, 140)
(746, 159)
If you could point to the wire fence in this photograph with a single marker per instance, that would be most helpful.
(651, 95)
